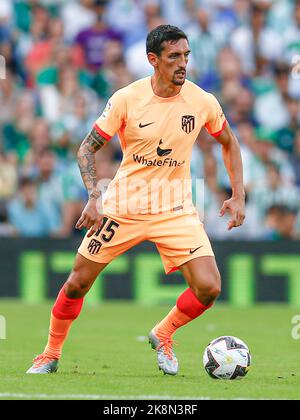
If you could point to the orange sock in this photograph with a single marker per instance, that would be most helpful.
(187, 308)
(58, 332)
(175, 319)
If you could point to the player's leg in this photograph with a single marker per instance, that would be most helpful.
(203, 277)
(183, 244)
(66, 309)
(114, 238)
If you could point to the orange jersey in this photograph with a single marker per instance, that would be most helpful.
(157, 136)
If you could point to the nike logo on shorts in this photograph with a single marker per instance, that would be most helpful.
(194, 250)
(145, 125)
(178, 208)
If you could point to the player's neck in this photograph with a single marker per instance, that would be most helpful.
(162, 88)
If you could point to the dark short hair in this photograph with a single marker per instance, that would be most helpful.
(26, 181)
(281, 68)
(100, 2)
(159, 35)
(257, 8)
(45, 152)
(282, 209)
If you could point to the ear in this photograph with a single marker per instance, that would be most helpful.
(153, 59)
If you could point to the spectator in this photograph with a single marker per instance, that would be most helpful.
(241, 110)
(8, 178)
(281, 16)
(105, 81)
(39, 140)
(281, 222)
(242, 11)
(136, 59)
(6, 12)
(8, 56)
(179, 12)
(128, 18)
(274, 190)
(249, 149)
(205, 44)
(16, 132)
(267, 151)
(226, 17)
(63, 56)
(77, 16)
(9, 95)
(49, 182)
(229, 79)
(93, 39)
(58, 100)
(295, 158)
(256, 44)
(275, 101)
(286, 137)
(30, 13)
(32, 20)
(40, 54)
(78, 122)
(29, 216)
(6, 229)
(291, 38)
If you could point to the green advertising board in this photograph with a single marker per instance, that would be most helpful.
(251, 272)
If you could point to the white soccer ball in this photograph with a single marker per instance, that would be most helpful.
(227, 358)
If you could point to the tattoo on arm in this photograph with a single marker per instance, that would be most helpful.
(86, 161)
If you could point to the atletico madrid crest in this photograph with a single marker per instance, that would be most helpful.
(94, 246)
(188, 123)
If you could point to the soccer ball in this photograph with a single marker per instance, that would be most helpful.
(227, 358)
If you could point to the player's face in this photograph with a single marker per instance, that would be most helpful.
(173, 61)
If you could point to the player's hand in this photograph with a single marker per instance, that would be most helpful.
(236, 208)
(90, 218)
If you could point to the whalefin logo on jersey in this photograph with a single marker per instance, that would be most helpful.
(163, 152)
(188, 123)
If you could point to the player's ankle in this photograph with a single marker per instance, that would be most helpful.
(52, 354)
(162, 334)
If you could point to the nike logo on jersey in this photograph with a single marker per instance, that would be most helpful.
(194, 250)
(145, 125)
(163, 152)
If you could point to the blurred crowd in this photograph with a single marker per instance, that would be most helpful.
(64, 59)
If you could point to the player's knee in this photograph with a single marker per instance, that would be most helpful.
(210, 294)
(214, 292)
(76, 286)
(215, 286)
(207, 292)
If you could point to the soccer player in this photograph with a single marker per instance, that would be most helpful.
(158, 120)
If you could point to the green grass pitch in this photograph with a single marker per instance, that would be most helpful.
(107, 355)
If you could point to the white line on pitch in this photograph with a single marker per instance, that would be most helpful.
(98, 397)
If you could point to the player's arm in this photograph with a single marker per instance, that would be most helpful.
(90, 217)
(233, 163)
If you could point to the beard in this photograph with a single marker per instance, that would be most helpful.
(178, 81)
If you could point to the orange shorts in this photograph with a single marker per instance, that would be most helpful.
(178, 238)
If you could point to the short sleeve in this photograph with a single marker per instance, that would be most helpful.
(113, 116)
(216, 120)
